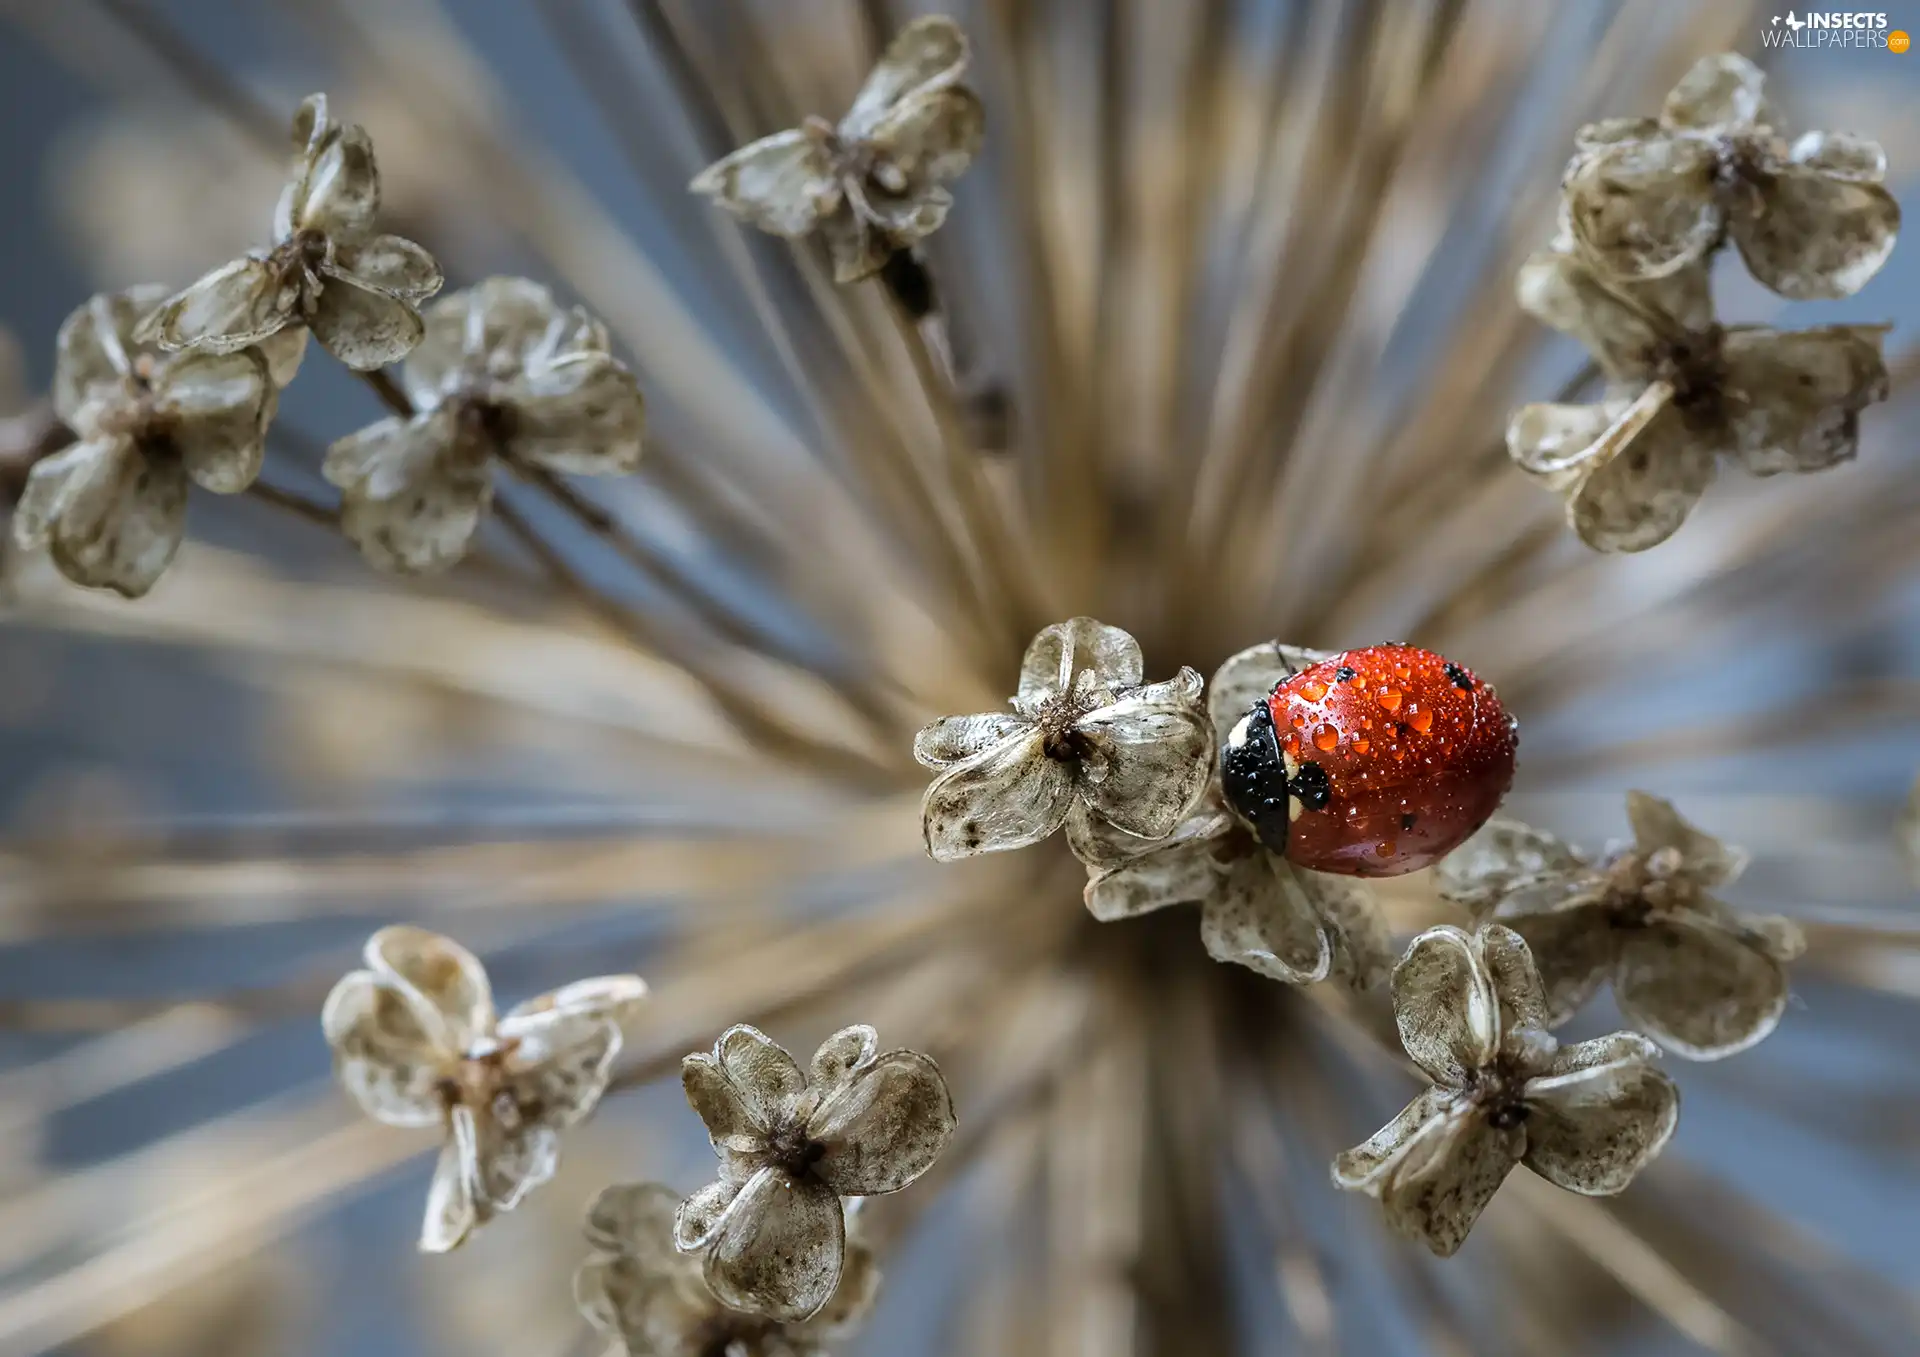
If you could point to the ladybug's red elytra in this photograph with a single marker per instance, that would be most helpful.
(1372, 762)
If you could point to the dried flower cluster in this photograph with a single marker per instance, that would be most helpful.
(417, 1043)
(876, 183)
(1473, 1016)
(761, 1257)
(1647, 204)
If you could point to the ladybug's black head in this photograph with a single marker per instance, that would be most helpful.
(1258, 783)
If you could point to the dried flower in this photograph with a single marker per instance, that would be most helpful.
(858, 1123)
(416, 1043)
(639, 1290)
(1685, 391)
(503, 373)
(1084, 730)
(1256, 908)
(1699, 977)
(112, 508)
(876, 183)
(1471, 1013)
(1646, 198)
(358, 292)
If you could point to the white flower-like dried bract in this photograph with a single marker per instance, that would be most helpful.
(877, 182)
(416, 1042)
(1471, 1014)
(792, 1143)
(1256, 908)
(1701, 978)
(1684, 392)
(504, 374)
(1648, 197)
(111, 509)
(1085, 730)
(328, 271)
(640, 1291)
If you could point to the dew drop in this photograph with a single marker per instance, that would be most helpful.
(1325, 736)
(1383, 849)
(1390, 699)
(1362, 746)
(1313, 690)
(1421, 721)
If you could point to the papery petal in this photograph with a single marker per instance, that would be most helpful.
(414, 493)
(611, 998)
(391, 264)
(933, 137)
(1797, 396)
(906, 221)
(1060, 652)
(284, 350)
(1501, 857)
(513, 1162)
(236, 305)
(339, 192)
(111, 517)
(1261, 917)
(1445, 1006)
(885, 1127)
(639, 1306)
(1618, 322)
(1700, 991)
(1009, 797)
(362, 328)
(1841, 155)
(1643, 209)
(1437, 1188)
(1608, 131)
(1656, 825)
(1102, 845)
(1357, 929)
(562, 1063)
(491, 327)
(953, 739)
(1650, 472)
(634, 1219)
(1721, 92)
(441, 976)
(929, 54)
(1184, 689)
(769, 1079)
(96, 346)
(697, 1218)
(1595, 1125)
(1180, 870)
(1573, 950)
(1811, 235)
(783, 184)
(451, 1215)
(858, 249)
(853, 1299)
(219, 405)
(387, 1054)
(779, 1251)
(1250, 676)
(840, 1056)
(1516, 984)
(581, 416)
(730, 1119)
(1149, 763)
(1558, 443)
(1364, 1167)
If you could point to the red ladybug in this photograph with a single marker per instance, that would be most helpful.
(1372, 762)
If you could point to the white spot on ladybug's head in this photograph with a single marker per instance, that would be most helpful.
(1237, 737)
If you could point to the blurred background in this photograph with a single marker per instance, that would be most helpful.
(1255, 255)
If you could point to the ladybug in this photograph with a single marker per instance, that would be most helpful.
(1371, 762)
